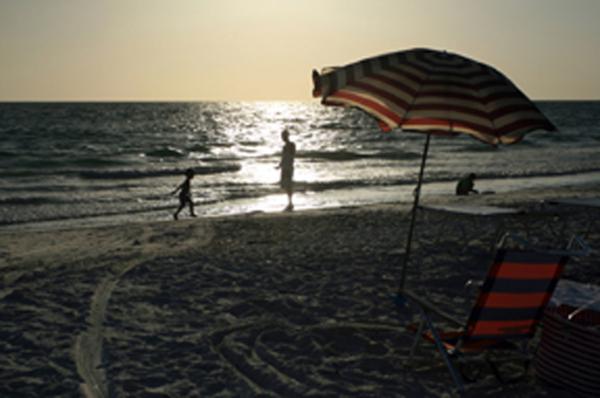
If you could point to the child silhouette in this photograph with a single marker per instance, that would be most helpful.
(185, 194)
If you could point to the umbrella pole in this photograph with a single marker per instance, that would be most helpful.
(414, 213)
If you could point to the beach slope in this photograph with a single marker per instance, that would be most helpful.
(288, 304)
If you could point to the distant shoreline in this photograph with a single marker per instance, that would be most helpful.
(183, 101)
(388, 198)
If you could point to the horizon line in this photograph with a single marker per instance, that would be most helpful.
(157, 101)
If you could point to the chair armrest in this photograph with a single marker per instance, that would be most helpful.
(429, 307)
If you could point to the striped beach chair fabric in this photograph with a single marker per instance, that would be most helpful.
(510, 305)
(514, 295)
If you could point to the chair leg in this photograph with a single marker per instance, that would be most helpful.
(440, 346)
(417, 339)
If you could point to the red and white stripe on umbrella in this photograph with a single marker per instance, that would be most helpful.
(435, 92)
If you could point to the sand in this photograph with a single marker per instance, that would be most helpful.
(284, 304)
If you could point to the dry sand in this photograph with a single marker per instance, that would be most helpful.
(289, 304)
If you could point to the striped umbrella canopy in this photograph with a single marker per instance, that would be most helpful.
(433, 92)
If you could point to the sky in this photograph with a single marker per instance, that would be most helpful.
(196, 50)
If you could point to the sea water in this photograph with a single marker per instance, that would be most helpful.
(88, 163)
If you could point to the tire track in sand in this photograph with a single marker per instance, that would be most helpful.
(88, 345)
(87, 350)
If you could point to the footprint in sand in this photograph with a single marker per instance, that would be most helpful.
(331, 359)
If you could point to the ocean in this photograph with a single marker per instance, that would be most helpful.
(94, 163)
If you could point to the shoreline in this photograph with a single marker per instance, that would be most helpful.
(34, 242)
(498, 191)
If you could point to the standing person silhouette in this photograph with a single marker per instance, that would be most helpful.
(286, 165)
(185, 194)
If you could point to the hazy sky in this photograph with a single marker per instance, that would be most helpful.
(265, 49)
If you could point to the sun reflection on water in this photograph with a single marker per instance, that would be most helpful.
(259, 143)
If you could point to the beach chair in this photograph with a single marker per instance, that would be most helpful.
(507, 310)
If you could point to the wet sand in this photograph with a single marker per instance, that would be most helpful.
(284, 304)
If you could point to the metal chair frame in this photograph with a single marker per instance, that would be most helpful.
(425, 308)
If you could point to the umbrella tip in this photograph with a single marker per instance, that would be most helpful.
(316, 78)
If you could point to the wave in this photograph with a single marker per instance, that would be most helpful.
(34, 200)
(63, 162)
(331, 156)
(477, 147)
(341, 156)
(167, 152)
(472, 148)
(251, 143)
(97, 162)
(336, 126)
(116, 173)
(61, 188)
(128, 174)
(75, 200)
(198, 148)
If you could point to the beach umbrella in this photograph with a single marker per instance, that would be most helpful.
(432, 92)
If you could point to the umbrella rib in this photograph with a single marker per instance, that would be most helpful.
(414, 98)
(489, 113)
